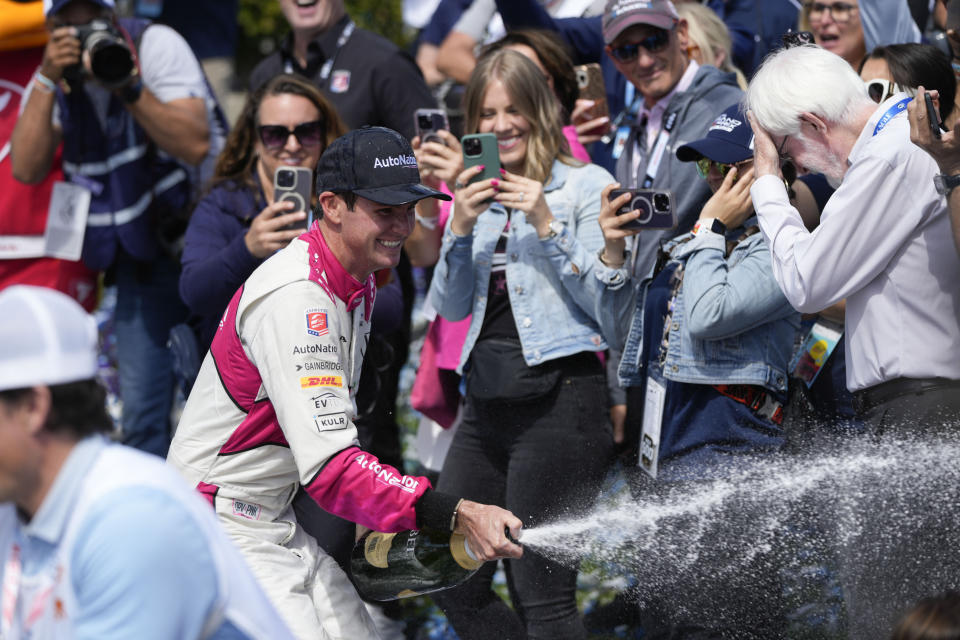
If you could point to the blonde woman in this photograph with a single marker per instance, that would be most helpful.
(517, 255)
(709, 38)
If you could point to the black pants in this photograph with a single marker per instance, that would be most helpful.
(912, 549)
(543, 460)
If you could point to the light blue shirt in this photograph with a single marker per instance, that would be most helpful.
(140, 567)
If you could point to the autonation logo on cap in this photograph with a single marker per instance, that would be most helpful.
(395, 161)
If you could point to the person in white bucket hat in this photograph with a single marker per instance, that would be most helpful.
(98, 540)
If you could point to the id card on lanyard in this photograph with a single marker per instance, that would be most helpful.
(653, 402)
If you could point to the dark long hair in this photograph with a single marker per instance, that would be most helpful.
(913, 65)
(236, 160)
(554, 57)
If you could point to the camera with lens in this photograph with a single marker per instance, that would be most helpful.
(655, 207)
(111, 60)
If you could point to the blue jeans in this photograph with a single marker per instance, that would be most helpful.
(148, 305)
(541, 460)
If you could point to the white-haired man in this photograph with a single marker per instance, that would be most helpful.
(884, 244)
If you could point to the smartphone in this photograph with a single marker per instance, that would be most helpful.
(481, 148)
(656, 208)
(428, 122)
(933, 116)
(295, 184)
(590, 84)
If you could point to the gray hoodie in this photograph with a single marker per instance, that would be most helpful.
(709, 94)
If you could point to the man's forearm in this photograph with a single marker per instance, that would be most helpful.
(34, 139)
(179, 127)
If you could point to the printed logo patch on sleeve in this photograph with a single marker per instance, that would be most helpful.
(331, 421)
(321, 381)
(317, 322)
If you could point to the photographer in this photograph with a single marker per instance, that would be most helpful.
(130, 103)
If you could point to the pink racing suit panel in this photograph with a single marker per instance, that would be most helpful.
(208, 491)
(239, 376)
(355, 486)
(259, 428)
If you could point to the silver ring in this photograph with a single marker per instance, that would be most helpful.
(520, 199)
(458, 185)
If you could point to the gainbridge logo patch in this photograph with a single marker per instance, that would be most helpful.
(311, 382)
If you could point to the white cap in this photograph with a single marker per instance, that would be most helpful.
(46, 338)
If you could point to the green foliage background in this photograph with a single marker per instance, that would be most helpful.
(262, 26)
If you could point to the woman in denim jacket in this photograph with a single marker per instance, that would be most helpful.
(709, 326)
(518, 254)
(707, 336)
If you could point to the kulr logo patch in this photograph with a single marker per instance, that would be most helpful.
(317, 323)
(321, 381)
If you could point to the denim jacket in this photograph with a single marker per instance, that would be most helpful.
(551, 284)
(731, 323)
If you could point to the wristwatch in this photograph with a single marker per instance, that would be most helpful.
(712, 225)
(945, 184)
(556, 228)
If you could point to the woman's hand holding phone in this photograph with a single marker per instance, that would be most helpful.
(471, 199)
(267, 234)
(524, 194)
(731, 203)
(439, 162)
(612, 225)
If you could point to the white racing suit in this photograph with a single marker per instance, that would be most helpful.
(273, 409)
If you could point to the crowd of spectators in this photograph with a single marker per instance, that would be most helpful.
(792, 274)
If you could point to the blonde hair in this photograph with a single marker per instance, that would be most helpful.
(532, 98)
(707, 32)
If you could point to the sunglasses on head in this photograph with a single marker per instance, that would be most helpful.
(308, 134)
(704, 164)
(652, 43)
(879, 89)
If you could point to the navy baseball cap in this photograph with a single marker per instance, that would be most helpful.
(729, 139)
(53, 6)
(375, 163)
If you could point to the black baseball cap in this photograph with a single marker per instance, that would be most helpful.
(375, 163)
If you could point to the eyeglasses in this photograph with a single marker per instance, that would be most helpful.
(652, 43)
(704, 164)
(308, 134)
(839, 11)
(879, 89)
(787, 168)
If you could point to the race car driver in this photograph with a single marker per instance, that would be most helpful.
(273, 405)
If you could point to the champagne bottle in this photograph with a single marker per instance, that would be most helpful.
(387, 566)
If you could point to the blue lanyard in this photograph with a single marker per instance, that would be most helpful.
(890, 114)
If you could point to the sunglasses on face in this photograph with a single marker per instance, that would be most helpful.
(839, 11)
(704, 164)
(275, 136)
(879, 89)
(652, 44)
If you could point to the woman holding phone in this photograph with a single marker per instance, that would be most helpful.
(706, 339)
(517, 256)
(237, 224)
